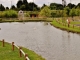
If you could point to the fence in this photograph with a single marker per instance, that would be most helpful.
(20, 49)
(64, 24)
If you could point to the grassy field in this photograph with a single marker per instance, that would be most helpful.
(6, 53)
(64, 26)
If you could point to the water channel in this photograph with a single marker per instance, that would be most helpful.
(46, 40)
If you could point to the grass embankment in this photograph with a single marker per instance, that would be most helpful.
(64, 26)
(6, 53)
(29, 19)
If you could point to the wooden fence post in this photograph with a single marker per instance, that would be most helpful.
(3, 42)
(20, 53)
(79, 27)
(26, 56)
(68, 25)
(13, 46)
(65, 24)
(73, 26)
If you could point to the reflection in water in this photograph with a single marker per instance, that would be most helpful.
(65, 44)
(47, 41)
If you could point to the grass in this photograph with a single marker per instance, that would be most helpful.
(32, 55)
(28, 19)
(76, 29)
(75, 22)
(6, 53)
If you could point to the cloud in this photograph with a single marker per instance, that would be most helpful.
(30, 0)
(47, 2)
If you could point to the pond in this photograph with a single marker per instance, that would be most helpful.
(46, 40)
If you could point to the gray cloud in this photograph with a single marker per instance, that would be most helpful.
(38, 2)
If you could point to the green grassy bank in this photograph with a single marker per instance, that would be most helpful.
(6, 53)
(64, 26)
(29, 19)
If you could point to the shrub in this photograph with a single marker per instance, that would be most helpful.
(10, 14)
(45, 12)
(27, 14)
(0, 20)
(1, 14)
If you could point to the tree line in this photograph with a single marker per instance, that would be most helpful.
(21, 5)
(24, 5)
(52, 10)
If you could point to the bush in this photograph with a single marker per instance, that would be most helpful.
(10, 14)
(72, 12)
(0, 20)
(1, 14)
(56, 13)
(45, 12)
(27, 14)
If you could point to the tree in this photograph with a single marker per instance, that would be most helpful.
(26, 5)
(13, 7)
(72, 12)
(7, 8)
(67, 10)
(43, 6)
(55, 6)
(45, 12)
(33, 7)
(70, 5)
(19, 3)
(22, 7)
(2, 8)
(25, 2)
(60, 7)
(52, 5)
(77, 12)
(78, 6)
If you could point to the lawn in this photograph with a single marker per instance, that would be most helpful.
(64, 26)
(6, 53)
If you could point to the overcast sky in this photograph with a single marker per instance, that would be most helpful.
(38, 2)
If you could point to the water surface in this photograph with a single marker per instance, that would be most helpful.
(46, 40)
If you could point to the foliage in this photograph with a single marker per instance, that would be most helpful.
(55, 6)
(74, 12)
(64, 13)
(33, 7)
(2, 8)
(7, 8)
(58, 13)
(13, 7)
(24, 5)
(67, 9)
(70, 5)
(53, 13)
(19, 3)
(27, 14)
(77, 12)
(10, 14)
(43, 6)
(1, 14)
(45, 12)
(78, 5)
